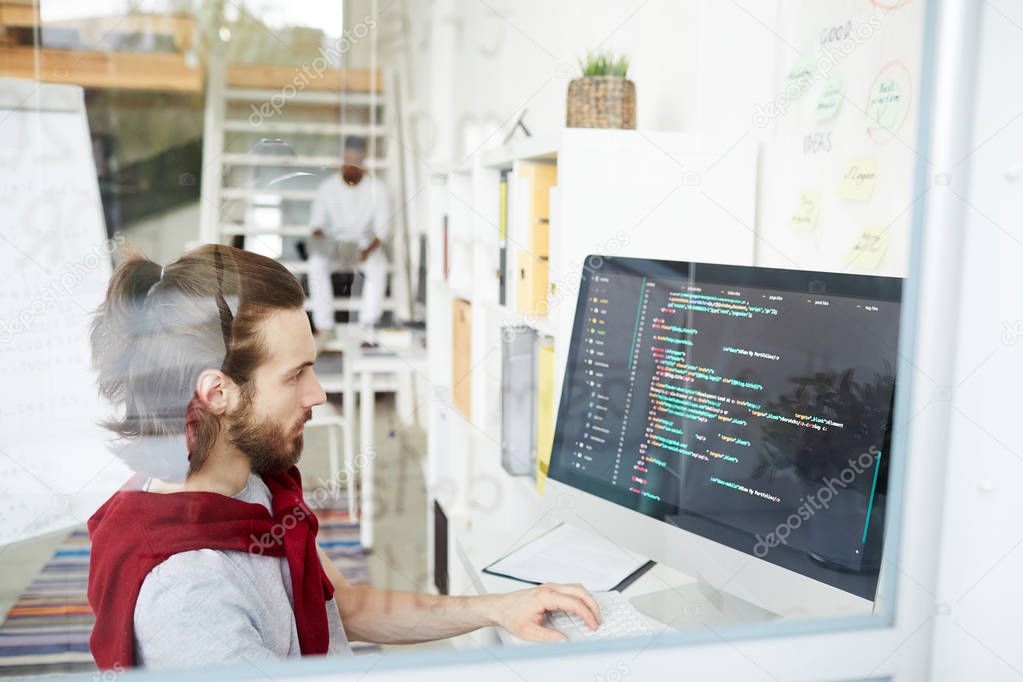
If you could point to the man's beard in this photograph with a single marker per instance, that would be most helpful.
(270, 448)
(351, 173)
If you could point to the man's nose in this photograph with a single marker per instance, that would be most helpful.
(317, 396)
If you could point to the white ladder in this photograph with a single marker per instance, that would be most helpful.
(314, 123)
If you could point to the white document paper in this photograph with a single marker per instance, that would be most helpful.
(568, 554)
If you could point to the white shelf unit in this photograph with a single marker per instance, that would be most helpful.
(624, 193)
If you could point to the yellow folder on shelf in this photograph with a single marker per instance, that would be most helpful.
(532, 275)
(532, 219)
(541, 177)
(545, 410)
(461, 356)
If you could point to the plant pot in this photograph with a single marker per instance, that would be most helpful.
(601, 102)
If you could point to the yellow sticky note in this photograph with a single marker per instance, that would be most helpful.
(858, 178)
(869, 249)
(807, 210)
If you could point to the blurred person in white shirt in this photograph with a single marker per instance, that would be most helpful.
(351, 223)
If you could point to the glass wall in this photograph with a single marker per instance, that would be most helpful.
(394, 339)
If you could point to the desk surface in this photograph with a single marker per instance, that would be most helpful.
(491, 536)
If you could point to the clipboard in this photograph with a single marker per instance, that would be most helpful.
(572, 556)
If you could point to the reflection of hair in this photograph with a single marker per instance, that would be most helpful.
(157, 330)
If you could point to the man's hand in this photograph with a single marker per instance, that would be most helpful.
(364, 254)
(371, 614)
(521, 613)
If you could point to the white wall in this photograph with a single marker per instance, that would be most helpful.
(730, 81)
(978, 619)
(474, 66)
(527, 56)
(470, 68)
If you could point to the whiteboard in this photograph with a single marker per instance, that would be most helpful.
(856, 105)
(55, 464)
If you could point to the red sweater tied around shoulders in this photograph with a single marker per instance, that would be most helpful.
(134, 531)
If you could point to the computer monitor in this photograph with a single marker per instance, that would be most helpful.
(734, 423)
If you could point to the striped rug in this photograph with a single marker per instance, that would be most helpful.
(47, 630)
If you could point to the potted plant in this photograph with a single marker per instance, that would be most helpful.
(603, 97)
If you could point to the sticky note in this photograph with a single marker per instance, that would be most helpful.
(830, 100)
(807, 210)
(887, 103)
(801, 73)
(869, 249)
(858, 178)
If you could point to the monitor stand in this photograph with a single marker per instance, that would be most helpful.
(699, 603)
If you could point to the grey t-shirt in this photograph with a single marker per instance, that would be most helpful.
(210, 606)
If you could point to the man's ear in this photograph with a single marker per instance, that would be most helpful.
(215, 391)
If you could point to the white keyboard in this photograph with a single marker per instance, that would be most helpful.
(618, 617)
